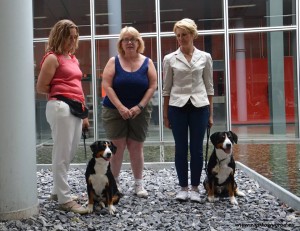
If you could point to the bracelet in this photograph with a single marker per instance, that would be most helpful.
(140, 107)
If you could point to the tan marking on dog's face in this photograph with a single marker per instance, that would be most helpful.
(220, 145)
(99, 154)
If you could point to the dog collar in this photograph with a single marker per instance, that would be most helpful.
(107, 159)
(219, 161)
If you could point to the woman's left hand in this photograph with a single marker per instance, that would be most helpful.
(135, 111)
(210, 121)
(85, 124)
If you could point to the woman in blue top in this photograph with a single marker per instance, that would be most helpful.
(129, 80)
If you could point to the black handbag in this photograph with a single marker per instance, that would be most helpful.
(76, 108)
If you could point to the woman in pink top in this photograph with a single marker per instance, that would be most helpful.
(60, 75)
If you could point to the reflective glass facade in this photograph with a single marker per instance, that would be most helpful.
(254, 46)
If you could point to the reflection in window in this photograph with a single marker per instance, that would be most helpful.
(261, 13)
(207, 15)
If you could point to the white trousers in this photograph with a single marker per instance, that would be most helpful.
(66, 132)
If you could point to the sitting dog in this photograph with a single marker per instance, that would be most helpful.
(101, 184)
(221, 168)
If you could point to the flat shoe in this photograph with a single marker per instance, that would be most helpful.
(182, 195)
(140, 191)
(195, 196)
(53, 197)
(72, 206)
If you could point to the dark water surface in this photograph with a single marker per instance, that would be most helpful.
(279, 163)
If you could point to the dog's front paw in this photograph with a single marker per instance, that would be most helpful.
(90, 208)
(212, 199)
(101, 203)
(233, 201)
(111, 209)
(240, 193)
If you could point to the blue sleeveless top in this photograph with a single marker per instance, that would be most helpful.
(130, 87)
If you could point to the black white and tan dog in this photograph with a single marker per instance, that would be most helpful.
(101, 184)
(221, 168)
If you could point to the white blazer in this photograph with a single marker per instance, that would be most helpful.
(183, 80)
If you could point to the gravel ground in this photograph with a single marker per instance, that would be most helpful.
(259, 210)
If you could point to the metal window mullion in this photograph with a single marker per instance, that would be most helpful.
(94, 74)
(227, 66)
(297, 61)
(159, 82)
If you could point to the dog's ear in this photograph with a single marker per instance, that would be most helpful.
(214, 138)
(112, 147)
(94, 147)
(234, 136)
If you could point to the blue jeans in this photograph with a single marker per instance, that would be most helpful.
(195, 121)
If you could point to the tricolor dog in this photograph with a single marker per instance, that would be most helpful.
(221, 168)
(101, 184)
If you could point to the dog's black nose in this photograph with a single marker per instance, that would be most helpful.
(228, 145)
(108, 154)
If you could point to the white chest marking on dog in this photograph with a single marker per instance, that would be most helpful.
(222, 169)
(99, 179)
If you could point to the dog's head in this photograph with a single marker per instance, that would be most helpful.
(224, 140)
(103, 149)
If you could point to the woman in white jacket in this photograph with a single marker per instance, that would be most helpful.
(188, 105)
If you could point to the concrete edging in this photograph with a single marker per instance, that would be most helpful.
(284, 195)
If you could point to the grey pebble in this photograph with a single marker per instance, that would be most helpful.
(259, 210)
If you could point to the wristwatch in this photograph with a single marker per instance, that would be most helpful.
(140, 107)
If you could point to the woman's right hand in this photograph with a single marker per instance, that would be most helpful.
(125, 113)
(166, 122)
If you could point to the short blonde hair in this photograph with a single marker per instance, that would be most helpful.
(187, 24)
(58, 36)
(134, 33)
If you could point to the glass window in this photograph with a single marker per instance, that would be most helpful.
(261, 13)
(263, 68)
(47, 13)
(263, 83)
(111, 16)
(43, 131)
(83, 55)
(208, 15)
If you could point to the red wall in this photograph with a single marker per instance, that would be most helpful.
(257, 91)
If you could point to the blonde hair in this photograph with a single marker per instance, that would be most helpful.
(58, 36)
(133, 32)
(187, 24)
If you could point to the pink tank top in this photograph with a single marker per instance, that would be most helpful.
(67, 78)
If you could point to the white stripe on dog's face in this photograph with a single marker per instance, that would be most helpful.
(107, 152)
(227, 145)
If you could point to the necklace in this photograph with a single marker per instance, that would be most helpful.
(188, 55)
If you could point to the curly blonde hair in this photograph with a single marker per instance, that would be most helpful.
(129, 30)
(59, 34)
(187, 24)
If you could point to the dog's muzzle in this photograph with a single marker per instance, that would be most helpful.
(227, 148)
(108, 155)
